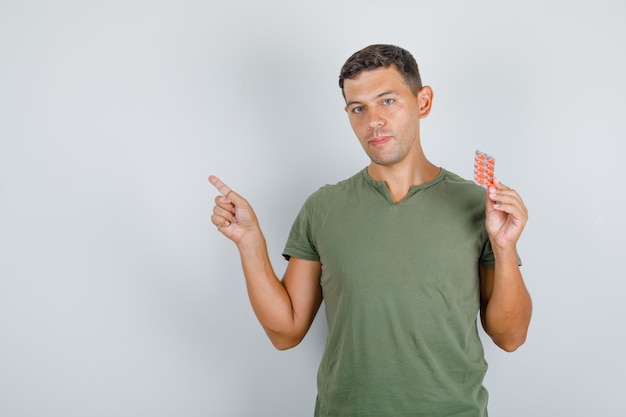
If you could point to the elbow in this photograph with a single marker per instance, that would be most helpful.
(509, 335)
(510, 344)
(283, 342)
(509, 347)
(283, 345)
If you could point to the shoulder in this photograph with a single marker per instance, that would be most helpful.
(460, 189)
(326, 199)
(342, 188)
(453, 178)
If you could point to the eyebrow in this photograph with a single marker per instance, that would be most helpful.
(384, 93)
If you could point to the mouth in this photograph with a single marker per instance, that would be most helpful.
(379, 140)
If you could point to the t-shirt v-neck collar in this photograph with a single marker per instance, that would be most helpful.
(381, 187)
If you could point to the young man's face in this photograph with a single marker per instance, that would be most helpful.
(384, 114)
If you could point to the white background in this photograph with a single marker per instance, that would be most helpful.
(119, 298)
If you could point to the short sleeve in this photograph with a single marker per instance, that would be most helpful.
(487, 258)
(301, 243)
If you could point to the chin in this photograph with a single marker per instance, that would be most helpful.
(388, 161)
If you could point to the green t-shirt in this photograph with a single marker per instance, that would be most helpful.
(401, 291)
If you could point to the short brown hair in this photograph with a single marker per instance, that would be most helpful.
(382, 56)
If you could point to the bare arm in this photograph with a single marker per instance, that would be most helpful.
(506, 307)
(286, 308)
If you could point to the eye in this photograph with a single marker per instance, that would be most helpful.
(388, 101)
(357, 109)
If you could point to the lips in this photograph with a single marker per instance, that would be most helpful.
(379, 140)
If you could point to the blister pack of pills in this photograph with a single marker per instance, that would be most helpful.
(484, 165)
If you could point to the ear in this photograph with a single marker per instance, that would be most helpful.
(425, 101)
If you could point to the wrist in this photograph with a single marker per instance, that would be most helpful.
(251, 241)
(505, 252)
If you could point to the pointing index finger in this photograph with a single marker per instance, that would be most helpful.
(223, 188)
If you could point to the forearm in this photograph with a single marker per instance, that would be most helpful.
(268, 296)
(507, 313)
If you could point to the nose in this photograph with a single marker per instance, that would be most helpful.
(375, 119)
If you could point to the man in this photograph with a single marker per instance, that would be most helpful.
(404, 253)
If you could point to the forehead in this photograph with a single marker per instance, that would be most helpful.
(371, 83)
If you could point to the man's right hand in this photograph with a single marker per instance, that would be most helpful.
(233, 215)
